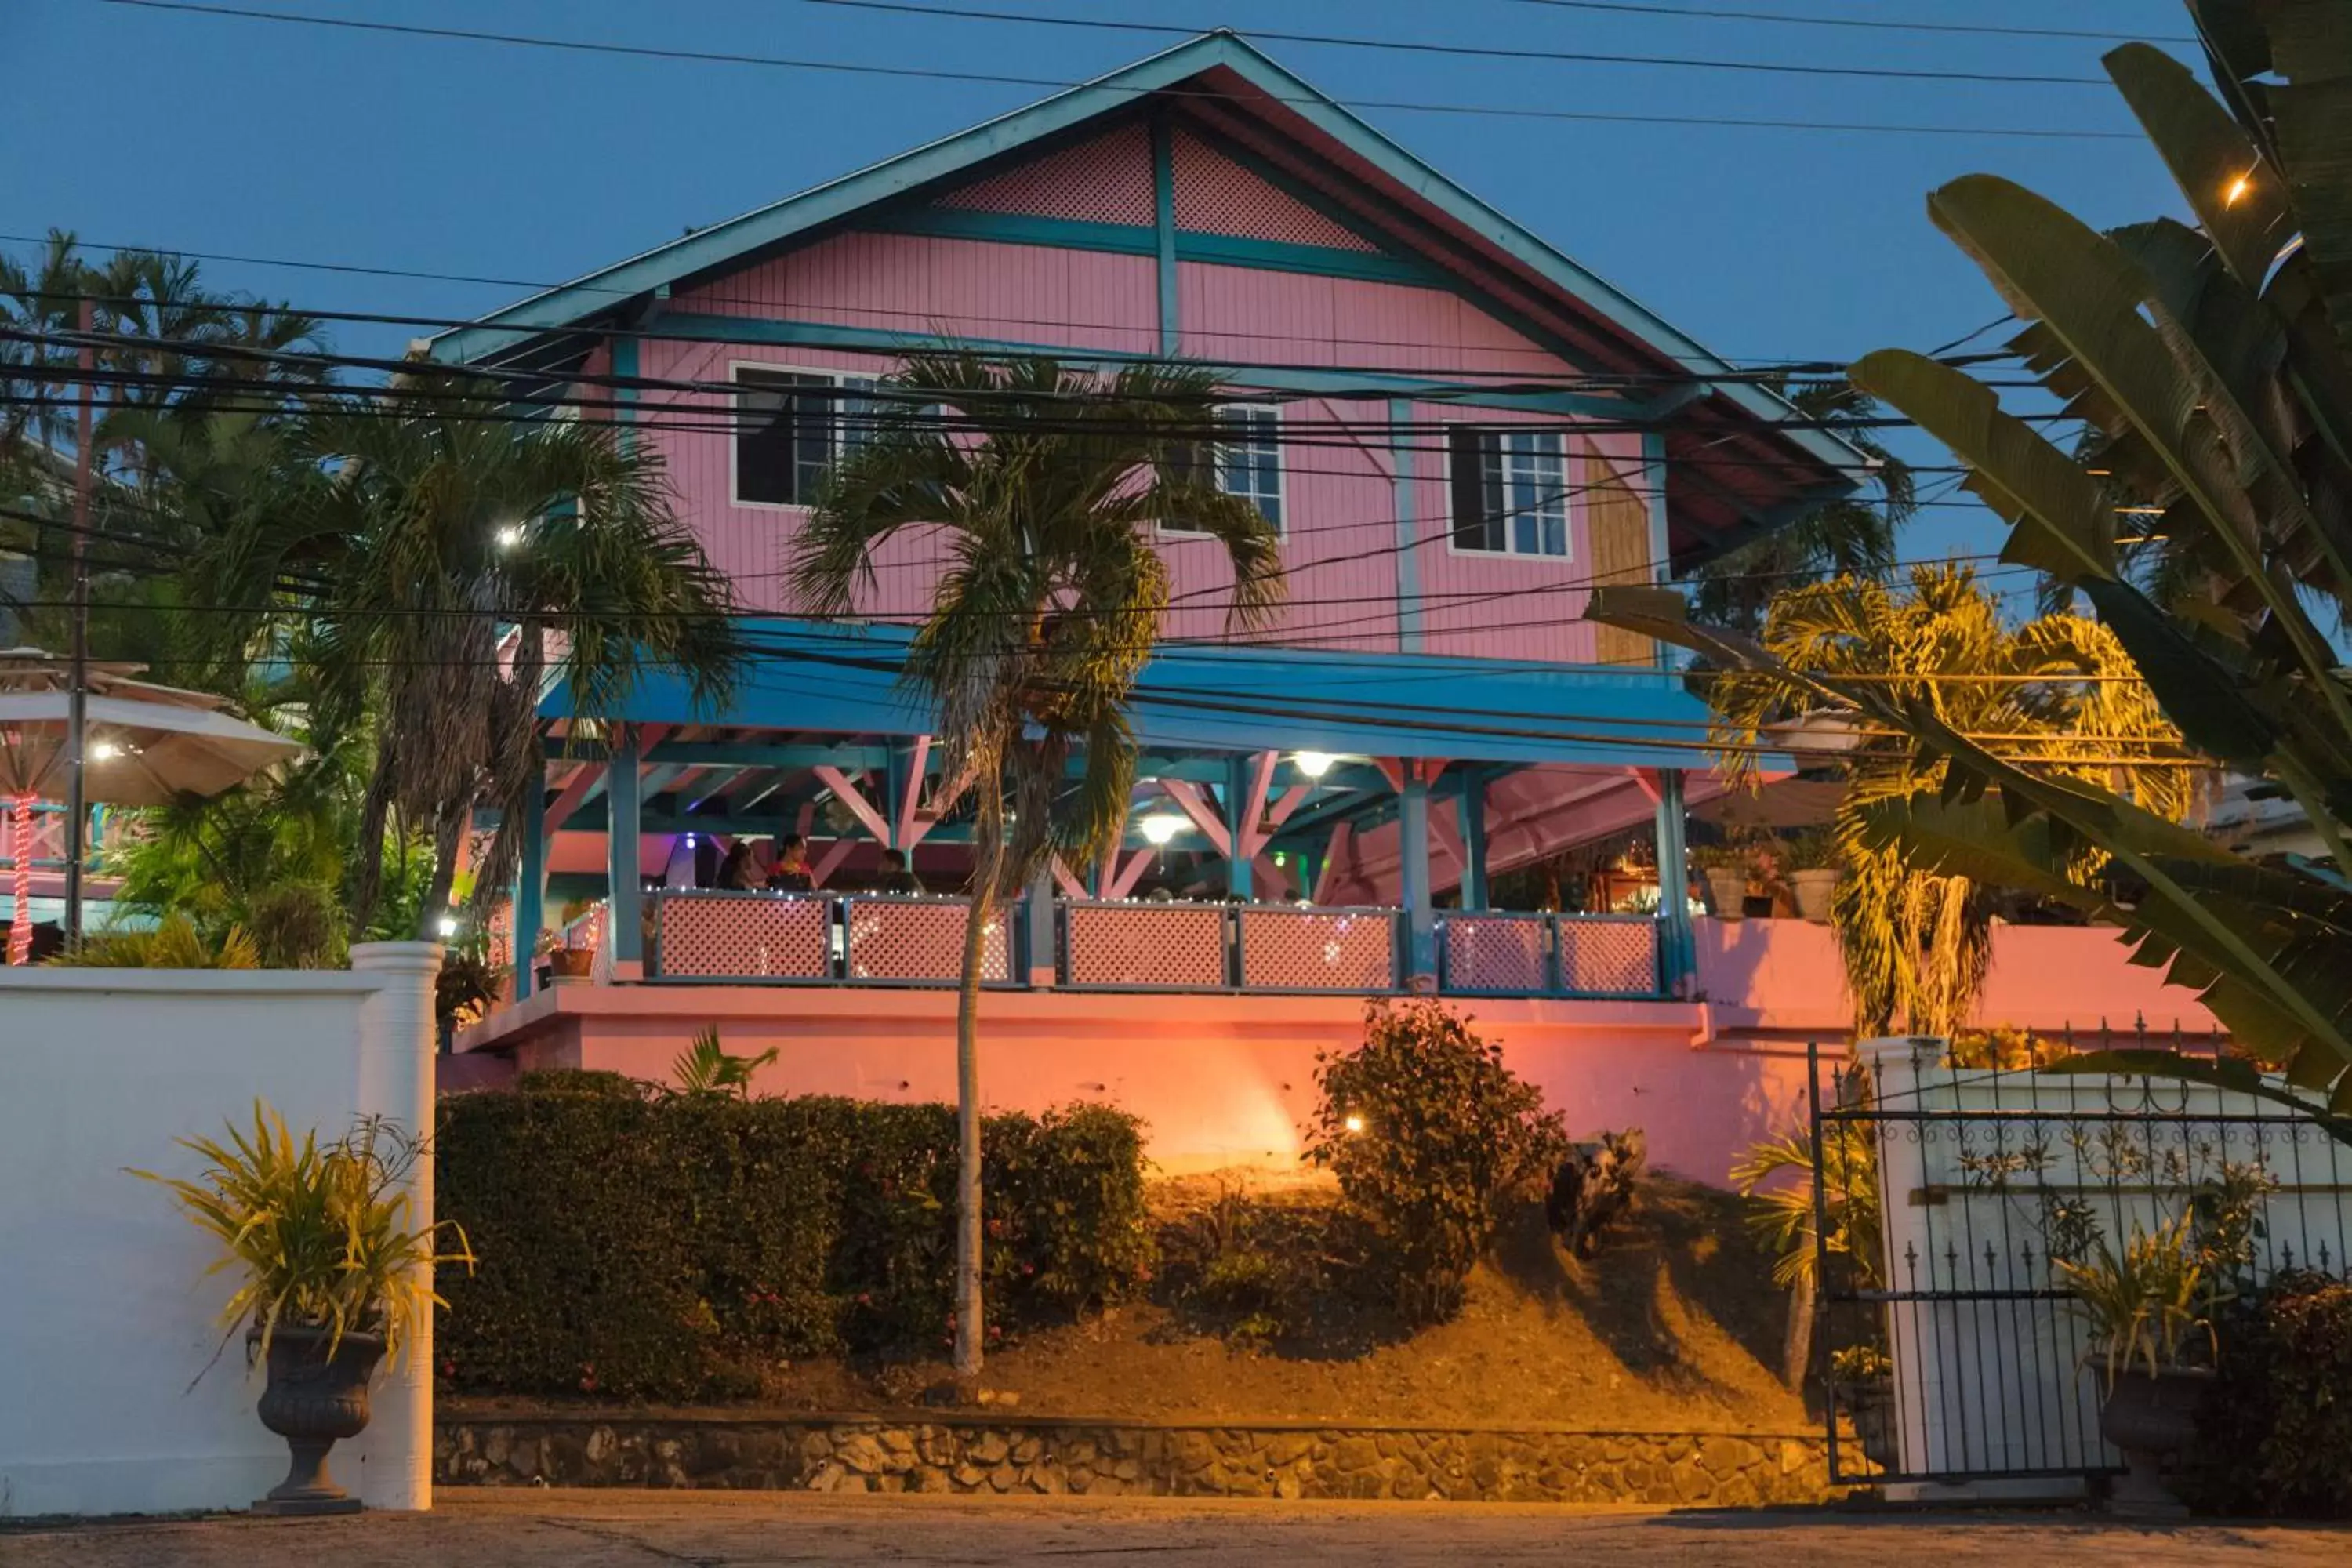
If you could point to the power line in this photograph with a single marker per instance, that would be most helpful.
(1978, 29)
(940, 74)
(1472, 51)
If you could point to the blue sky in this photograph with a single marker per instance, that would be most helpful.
(135, 126)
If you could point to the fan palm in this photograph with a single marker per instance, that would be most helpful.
(1041, 485)
(2053, 693)
(449, 559)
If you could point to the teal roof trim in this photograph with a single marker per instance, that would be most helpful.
(813, 677)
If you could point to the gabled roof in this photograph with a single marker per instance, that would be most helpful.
(1718, 409)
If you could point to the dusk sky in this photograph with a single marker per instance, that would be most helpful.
(135, 125)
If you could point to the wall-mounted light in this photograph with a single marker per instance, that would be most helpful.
(509, 536)
(1314, 764)
(1354, 1124)
(1160, 827)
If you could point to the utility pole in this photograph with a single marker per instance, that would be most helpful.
(78, 677)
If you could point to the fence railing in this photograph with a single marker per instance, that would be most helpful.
(1482, 955)
(814, 939)
(1971, 1188)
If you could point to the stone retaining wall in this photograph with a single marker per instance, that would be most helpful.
(1008, 1454)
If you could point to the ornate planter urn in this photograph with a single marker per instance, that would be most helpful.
(1813, 888)
(2150, 1418)
(313, 1400)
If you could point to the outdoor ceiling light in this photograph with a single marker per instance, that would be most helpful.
(104, 750)
(1161, 827)
(1314, 764)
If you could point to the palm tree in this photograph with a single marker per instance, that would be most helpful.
(443, 555)
(1853, 536)
(1043, 484)
(2054, 694)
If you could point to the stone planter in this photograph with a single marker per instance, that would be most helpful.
(1726, 889)
(2150, 1418)
(1813, 888)
(313, 1400)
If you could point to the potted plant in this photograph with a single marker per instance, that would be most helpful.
(565, 963)
(1812, 861)
(1862, 1382)
(1723, 868)
(2146, 1309)
(330, 1277)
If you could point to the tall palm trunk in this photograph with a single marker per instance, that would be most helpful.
(970, 1327)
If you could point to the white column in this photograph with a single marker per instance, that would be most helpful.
(395, 1080)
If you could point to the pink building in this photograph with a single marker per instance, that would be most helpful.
(1458, 432)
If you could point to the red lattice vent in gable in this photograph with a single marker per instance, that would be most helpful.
(1216, 196)
(1106, 179)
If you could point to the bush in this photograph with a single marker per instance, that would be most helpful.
(639, 1244)
(2276, 1433)
(1428, 1131)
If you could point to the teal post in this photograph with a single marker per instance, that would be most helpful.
(1044, 948)
(1413, 859)
(1470, 816)
(625, 397)
(1163, 204)
(1240, 882)
(621, 830)
(530, 890)
(1408, 559)
(1677, 947)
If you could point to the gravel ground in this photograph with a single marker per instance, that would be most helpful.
(738, 1530)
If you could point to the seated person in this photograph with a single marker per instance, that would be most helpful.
(897, 877)
(739, 872)
(792, 872)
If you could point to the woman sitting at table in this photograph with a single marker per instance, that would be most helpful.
(739, 872)
(792, 872)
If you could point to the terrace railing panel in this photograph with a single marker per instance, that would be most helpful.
(1497, 955)
(919, 941)
(1317, 949)
(743, 936)
(1145, 947)
(1608, 955)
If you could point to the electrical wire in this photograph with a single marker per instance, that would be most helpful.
(1979, 29)
(707, 56)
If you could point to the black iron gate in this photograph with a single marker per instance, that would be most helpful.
(1953, 1197)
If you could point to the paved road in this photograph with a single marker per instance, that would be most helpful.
(744, 1530)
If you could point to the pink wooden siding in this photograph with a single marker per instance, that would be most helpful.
(1216, 196)
(1106, 179)
(1342, 539)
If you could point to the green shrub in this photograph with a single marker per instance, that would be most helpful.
(639, 1244)
(1428, 1131)
(2276, 1433)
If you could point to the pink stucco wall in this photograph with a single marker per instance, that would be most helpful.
(1228, 1080)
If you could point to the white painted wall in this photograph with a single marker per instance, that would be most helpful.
(105, 1319)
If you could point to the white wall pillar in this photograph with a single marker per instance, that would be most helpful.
(395, 1076)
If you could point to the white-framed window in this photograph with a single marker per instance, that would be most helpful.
(1509, 488)
(791, 426)
(1248, 460)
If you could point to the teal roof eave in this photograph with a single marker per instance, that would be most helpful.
(816, 677)
(781, 221)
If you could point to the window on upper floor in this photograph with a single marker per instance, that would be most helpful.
(1510, 490)
(790, 427)
(1247, 462)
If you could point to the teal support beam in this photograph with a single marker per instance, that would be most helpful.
(1677, 946)
(1661, 565)
(1163, 203)
(625, 397)
(1041, 945)
(530, 891)
(1470, 816)
(1239, 880)
(621, 844)
(1408, 561)
(1412, 859)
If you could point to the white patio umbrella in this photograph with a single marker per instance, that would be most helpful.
(146, 745)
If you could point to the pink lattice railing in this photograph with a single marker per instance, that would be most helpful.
(743, 936)
(1140, 946)
(1318, 950)
(1606, 955)
(1505, 954)
(920, 941)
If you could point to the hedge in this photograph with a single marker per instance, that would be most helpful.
(639, 1244)
(2274, 1435)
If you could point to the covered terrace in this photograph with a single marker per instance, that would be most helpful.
(1301, 817)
